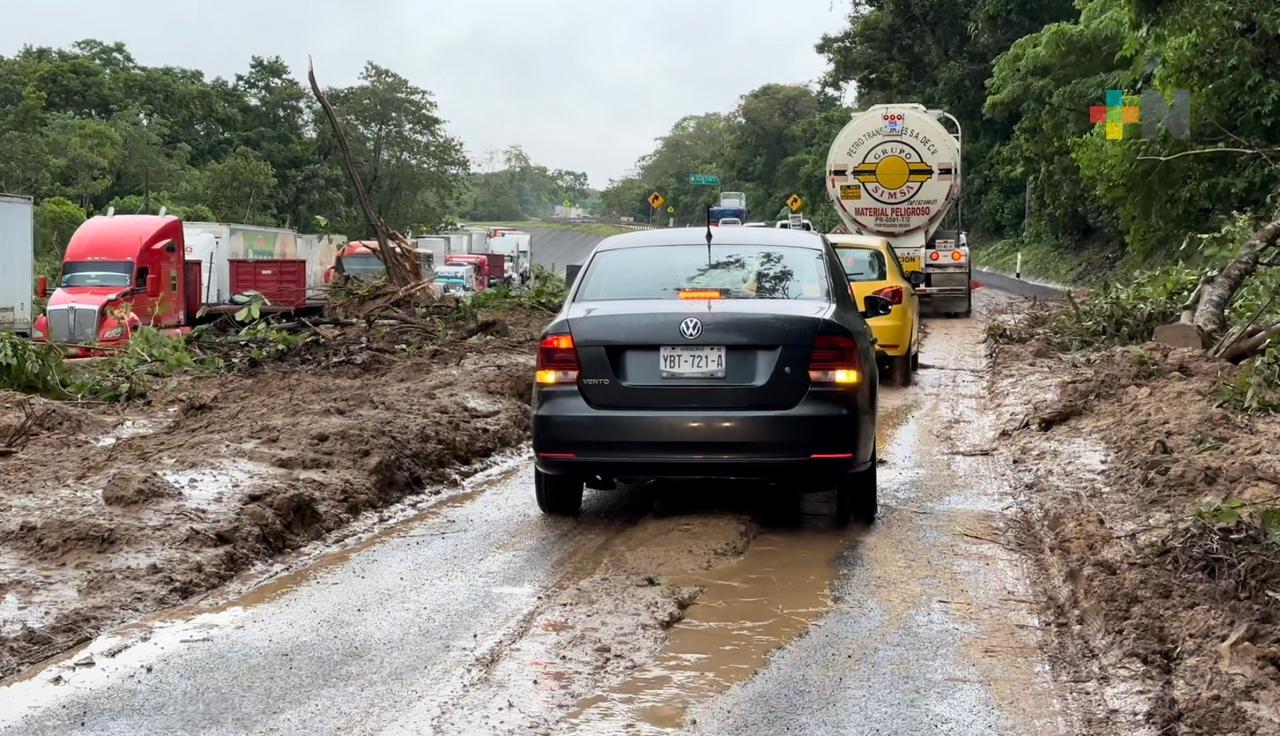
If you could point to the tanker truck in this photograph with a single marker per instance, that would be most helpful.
(894, 172)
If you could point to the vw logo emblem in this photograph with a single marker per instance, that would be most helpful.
(691, 328)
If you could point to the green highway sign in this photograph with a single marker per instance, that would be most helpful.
(704, 180)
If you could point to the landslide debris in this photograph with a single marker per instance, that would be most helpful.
(109, 511)
(1151, 512)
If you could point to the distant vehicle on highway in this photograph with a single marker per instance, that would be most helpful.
(873, 270)
(745, 359)
(730, 221)
(786, 225)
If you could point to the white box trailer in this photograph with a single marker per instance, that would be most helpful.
(459, 242)
(17, 263)
(321, 253)
(479, 241)
(436, 245)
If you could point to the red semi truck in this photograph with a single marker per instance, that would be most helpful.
(120, 273)
(359, 261)
(490, 267)
(123, 272)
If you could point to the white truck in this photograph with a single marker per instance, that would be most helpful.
(514, 245)
(894, 172)
(17, 263)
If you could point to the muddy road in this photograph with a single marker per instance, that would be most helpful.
(663, 608)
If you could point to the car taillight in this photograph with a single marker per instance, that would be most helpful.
(957, 255)
(557, 360)
(892, 293)
(835, 361)
(935, 256)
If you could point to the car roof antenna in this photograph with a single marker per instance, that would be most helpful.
(708, 235)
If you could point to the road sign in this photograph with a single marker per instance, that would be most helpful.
(567, 203)
(794, 202)
(671, 209)
(704, 180)
(656, 200)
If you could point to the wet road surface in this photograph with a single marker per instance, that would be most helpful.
(663, 608)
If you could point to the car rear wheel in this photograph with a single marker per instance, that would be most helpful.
(557, 494)
(900, 370)
(856, 497)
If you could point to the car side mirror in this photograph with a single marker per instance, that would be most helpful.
(42, 287)
(916, 279)
(153, 285)
(875, 306)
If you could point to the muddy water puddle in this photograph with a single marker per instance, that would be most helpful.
(748, 609)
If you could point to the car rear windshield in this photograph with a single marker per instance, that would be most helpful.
(862, 264)
(734, 271)
(98, 273)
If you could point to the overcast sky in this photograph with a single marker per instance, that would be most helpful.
(581, 84)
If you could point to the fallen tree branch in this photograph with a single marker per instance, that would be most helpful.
(393, 249)
(1202, 151)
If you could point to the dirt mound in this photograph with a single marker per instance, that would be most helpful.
(1160, 600)
(132, 487)
(136, 508)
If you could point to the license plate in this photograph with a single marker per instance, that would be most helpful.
(691, 361)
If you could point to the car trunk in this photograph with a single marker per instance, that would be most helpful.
(767, 344)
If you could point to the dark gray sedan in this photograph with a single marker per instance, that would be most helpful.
(745, 357)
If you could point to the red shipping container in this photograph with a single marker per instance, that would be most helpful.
(282, 282)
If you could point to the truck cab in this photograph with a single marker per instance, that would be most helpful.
(456, 279)
(358, 260)
(490, 268)
(119, 273)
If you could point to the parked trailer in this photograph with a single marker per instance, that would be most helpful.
(17, 264)
(281, 281)
(436, 245)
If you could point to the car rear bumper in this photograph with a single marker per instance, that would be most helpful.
(818, 440)
(893, 332)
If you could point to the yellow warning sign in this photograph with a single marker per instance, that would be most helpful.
(656, 200)
(851, 192)
(794, 202)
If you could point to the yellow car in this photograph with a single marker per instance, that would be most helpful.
(873, 268)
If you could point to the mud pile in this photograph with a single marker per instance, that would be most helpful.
(1163, 606)
(109, 512)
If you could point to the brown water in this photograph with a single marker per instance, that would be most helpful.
(749, 608)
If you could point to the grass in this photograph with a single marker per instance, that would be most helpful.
(1040, 260)
(591, 228)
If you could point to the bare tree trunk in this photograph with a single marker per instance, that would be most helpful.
(393, 250)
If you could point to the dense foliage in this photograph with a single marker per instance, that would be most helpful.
(522, 189)
(87, 128)
(1021, 75)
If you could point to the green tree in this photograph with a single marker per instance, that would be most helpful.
(56, 218)
(236, 188)
(411, 167)
(84, 153)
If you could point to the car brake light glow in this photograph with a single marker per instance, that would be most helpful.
(833, 456)
(557, 361)
(701, 294)
(835, 361)
(557, 455)
(935, 256)
(892, 293)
